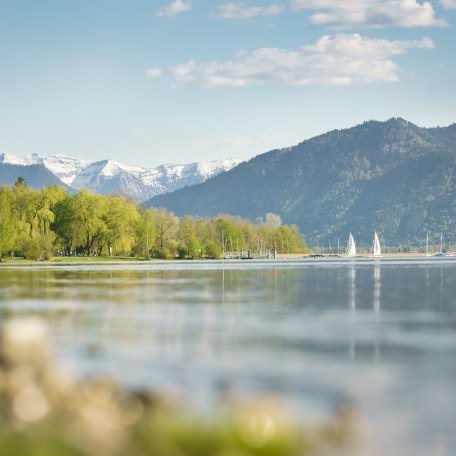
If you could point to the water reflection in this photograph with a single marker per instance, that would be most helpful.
(377, 286)
(317, 332)
(352, 286)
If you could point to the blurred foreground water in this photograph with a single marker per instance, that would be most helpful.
(377, 336)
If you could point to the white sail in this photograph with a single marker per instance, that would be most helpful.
(351, 247)
(441, 253)
(376, 249)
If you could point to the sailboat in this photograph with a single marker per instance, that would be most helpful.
(351, 247)
(441, 254)
(427, 246)
(376, 249)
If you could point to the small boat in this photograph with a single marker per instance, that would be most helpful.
(351, 247)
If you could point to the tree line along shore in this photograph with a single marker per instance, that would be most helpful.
(40, 224)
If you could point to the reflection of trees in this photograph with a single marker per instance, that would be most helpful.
(206, 309)
(127, 285)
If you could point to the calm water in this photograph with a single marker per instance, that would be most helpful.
(380, 334)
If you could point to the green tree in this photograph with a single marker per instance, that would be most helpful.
(212, 250)
(289, 240)
(272, 220)
(166, 226)
(20, 181)
(119, 217)
(44, 203)
(145, 234)
(64, 225)
(188, 239)
(23, 206)
(7, 222)
(230, 234)
(88, 219)
(37, 223)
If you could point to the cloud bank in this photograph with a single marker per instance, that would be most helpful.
(174, 8)
(243, 11)
(332, 60)
(342, 14)
(448, 4)
(153, 73)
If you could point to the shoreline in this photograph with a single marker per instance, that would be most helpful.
(291, 256)
(343, 256)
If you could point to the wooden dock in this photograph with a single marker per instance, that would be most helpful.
(249, 255)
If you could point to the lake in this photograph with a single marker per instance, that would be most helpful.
(378, 334)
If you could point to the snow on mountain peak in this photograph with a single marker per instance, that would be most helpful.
(113, 168)
(65, 168)
(27, 160)
(209, 168)
(110, 176)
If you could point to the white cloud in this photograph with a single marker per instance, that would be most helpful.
(345, 14)
(174, 8)
(153, 73)
(332, 60)
(448, 4)
(369, 13)
(243, 11)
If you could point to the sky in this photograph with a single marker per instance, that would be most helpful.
(149, 82)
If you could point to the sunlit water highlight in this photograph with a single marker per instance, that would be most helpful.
(380, 334)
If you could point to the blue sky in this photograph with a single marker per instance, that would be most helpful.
(152, 82)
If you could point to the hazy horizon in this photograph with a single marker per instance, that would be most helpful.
(191, 161)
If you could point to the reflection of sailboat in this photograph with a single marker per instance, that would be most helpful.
(376, 249)
(351, 247)
(377, 287)
(352, 286)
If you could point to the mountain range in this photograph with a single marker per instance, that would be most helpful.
(107, 176)
(392, 177)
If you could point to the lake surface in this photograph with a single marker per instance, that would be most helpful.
(380, 334)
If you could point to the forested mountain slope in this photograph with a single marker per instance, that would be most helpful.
(36, 176)
(392, 177)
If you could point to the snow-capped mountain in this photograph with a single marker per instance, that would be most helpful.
(65, 168)
(109, 176)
